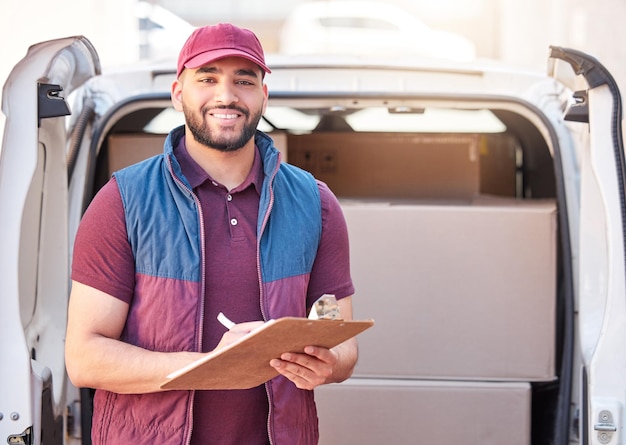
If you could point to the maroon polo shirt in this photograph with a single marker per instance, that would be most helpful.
(232, 287)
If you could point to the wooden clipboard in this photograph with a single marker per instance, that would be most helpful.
(245, 363)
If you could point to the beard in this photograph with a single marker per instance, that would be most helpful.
(203, 135)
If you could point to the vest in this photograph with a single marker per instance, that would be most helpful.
(166, 236)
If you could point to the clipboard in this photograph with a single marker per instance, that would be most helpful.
(245, 363)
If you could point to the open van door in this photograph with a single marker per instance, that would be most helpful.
(34, 258)
(601, 284)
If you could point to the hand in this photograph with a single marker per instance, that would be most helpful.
(238, 331)
(307, 370)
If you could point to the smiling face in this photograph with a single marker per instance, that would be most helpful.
(222, 102)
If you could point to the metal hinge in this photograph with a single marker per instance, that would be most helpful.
(26, 438)
(605, 426)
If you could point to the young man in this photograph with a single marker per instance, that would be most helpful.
(216, 223)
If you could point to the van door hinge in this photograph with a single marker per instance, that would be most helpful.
(26, 438)
(605, 426)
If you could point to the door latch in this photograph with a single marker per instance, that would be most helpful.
(25, 438)
(605, 426)
(50, 103)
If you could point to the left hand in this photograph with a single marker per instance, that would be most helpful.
(307, 370)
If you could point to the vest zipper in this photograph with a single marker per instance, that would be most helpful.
(200, 328)
(267, 211)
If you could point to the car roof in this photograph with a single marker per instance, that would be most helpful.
(331, 74)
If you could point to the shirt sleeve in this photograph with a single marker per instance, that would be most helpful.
(331, 268)
(102, 256)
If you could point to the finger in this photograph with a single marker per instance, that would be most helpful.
(246, 327)
(302, 360)
(305, 367)
(302, 377)
(320, 368)
(236, 332)
(323, 354)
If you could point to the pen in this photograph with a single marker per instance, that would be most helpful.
(228, 324)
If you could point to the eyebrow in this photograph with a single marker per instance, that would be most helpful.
(239, 72)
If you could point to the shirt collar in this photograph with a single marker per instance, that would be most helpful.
(197, 176)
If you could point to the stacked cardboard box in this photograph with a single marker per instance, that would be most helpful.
(367, 412)
(457, 291)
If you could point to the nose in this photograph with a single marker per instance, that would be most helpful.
(225, 93)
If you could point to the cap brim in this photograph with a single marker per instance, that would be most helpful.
(211, 56)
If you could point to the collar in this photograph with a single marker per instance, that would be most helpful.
(197, 176)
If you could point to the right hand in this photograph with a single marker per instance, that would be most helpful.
(238, 331)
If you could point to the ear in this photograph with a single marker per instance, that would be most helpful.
(176, 95)
(265, 97)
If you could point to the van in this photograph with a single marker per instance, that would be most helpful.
(486, 212)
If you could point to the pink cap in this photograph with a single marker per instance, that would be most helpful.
(215, 42)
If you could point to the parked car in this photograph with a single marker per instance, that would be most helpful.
(486, 217)
(367, 27)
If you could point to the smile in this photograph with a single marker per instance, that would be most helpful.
(225, 116)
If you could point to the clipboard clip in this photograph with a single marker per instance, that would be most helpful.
(325, 308)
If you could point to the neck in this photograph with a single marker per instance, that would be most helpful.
(228, 168)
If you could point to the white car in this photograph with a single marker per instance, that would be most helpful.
(486, 209)
(369, 28)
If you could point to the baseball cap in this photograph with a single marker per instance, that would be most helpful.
(214, 42)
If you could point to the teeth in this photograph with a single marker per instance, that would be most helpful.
(225, 116)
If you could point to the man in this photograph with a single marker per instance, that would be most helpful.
(217, 223)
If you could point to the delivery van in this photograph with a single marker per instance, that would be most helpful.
(486, 209)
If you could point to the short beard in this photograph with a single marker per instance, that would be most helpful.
(202, 134)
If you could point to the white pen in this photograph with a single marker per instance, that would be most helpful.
(228, 324)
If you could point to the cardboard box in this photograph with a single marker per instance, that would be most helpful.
(421, 412)
(128, 149)
(391, 165)
(456, 291)
(500, 156)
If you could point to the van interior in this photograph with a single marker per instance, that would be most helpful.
(456, 254)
